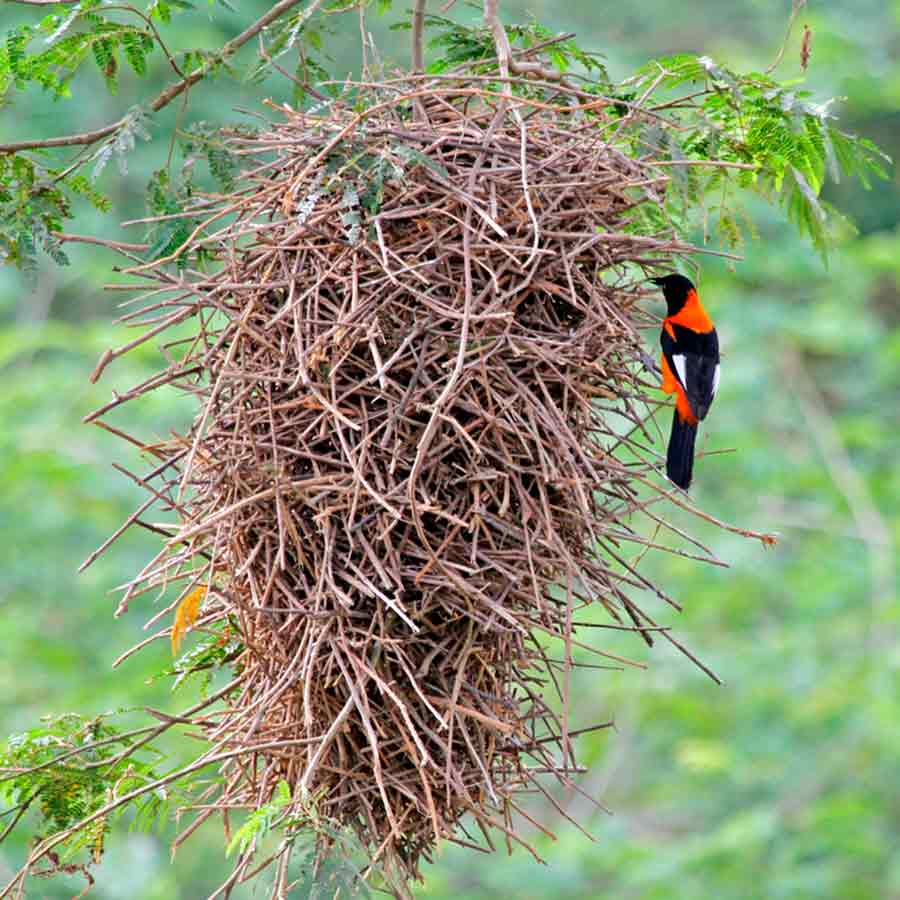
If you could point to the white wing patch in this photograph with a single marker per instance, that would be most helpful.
(681, 369)
(715, 386)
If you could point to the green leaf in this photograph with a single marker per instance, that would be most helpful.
(259, 822)
(135, 48)
(104, 50)
(160, 9)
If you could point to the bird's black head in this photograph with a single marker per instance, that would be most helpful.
(675, 289)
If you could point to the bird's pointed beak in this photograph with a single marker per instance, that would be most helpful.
(657, 281)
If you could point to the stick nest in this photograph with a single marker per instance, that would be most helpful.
(418, 447)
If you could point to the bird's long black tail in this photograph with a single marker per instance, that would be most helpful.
(680, 457)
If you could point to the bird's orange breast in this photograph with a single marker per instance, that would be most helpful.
(692, 315)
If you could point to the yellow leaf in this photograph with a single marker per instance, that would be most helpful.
(186, 615)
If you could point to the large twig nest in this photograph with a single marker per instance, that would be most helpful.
(418, 448)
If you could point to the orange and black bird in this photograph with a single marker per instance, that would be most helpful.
(690, 370)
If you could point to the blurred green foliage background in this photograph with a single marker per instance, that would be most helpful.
(781, 784)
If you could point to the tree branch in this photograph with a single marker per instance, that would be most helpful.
(501, 39)
(72, 140)
(21, 810)
(100, 242)
(174, 90)
(508, 64)
(303, 85)
(796, 6)
(149, 23)
(418, 28)
(418, 54)
(207, 759)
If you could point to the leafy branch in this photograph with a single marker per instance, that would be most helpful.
(36, 198)
(733, 133)
(174, 90)
(777, 141)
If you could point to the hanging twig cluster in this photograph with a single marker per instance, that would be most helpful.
(420, 447)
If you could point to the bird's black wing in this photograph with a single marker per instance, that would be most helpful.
(693, 358)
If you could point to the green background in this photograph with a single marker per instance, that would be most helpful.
(783, 783)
